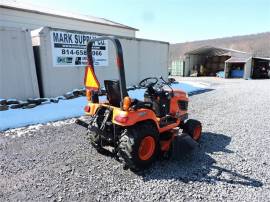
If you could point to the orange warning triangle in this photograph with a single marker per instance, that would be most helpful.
(90, 80)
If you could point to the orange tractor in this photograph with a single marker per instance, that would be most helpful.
(137, 131)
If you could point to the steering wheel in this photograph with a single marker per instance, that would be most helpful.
(147, 82)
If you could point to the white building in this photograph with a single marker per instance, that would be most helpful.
(38, 74)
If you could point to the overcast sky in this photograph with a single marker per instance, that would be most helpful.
(176, 20)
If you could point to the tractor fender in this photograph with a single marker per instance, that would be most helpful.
(129, 118)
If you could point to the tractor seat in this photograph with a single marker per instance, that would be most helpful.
(113, 92)
(114, 96)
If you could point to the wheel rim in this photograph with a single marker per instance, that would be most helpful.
(147, 148)
(197, 133)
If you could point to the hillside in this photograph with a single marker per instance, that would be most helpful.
(257, 44)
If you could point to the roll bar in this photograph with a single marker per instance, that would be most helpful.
(119, 61)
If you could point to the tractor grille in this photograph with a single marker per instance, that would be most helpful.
(183, 105)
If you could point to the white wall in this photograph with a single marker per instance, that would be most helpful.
(28, 20)
(142, 58)
(247, 69)
(17, 67)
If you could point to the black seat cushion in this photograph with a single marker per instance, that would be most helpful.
(113, 92)
(114, 96)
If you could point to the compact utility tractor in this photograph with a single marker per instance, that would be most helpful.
(137, 131)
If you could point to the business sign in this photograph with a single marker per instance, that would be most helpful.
(69, 49)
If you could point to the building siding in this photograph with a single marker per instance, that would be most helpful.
(17, 67)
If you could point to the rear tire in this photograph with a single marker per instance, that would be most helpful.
(138, 146)
(193, 128)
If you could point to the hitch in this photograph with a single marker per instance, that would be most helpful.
(81, 123)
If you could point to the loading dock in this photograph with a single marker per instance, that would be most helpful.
(208, 61)
(229, 63)
(238, 67)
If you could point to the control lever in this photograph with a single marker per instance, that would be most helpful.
(168, 84)
(161, 78)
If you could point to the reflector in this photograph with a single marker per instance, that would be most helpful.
(121, 119)
(87, 109)
(90, 79)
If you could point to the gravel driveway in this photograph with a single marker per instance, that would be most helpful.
(55, 162)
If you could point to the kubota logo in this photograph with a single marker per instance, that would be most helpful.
(142, 113)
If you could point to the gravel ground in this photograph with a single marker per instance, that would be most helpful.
(54, 162)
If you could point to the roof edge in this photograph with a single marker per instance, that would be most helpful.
(206, 47)
(63, 16)
(261, 58)
(240, 60)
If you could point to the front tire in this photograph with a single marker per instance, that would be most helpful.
(138, 146)
(193, 128)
